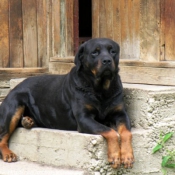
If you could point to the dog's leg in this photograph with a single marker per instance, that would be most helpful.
(112, 139)
(7, 154)
(90, 126)
(28, 122)
(127, 157)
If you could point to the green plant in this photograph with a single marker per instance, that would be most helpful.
(168, 161)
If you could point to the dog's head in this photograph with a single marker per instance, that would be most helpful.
(98, 57)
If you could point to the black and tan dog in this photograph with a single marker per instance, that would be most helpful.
(88, 99)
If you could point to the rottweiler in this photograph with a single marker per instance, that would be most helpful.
(88, 99)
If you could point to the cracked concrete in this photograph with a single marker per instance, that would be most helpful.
(152, 111)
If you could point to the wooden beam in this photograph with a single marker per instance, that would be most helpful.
(162, 30)
(63, 22)
(42, 32)
(169, 30)
(22, 70)
(64, 60)
(160, 73)
(30, 33)
(55, 28)
(4, 35)
(76, 25)
(150, 30)
(60, 67)
(124, 62)
(9, 73)
(116, 21)
(69, 27)
(147, 75)
(16, 33)
(95, 18)
(162, 64)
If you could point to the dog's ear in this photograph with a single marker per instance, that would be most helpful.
(79, 56)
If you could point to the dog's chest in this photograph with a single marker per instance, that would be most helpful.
(103, 108)
(98, 102)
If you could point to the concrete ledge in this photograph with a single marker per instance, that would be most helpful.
(149, 105)
(30, 168)
(14, 82)
(4, 84)
(151, 109)
(85, 152)
(145, 104)
(59, 148)
(3, 93)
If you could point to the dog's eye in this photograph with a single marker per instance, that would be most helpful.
(113, 52)
(95, 53)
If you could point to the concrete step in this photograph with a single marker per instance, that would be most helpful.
(151, 109)
(29, 168)
(14, 82)
(4, 89)
(149, 105)
(85, 152)
(3, 93)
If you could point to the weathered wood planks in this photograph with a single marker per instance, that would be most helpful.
(16, 33)
(30, 33)
(23, 33)
(118, 20)
(41, 11)
(4, 34)
(143, 28)
(162, 73)
(169, 32)
(7, 74)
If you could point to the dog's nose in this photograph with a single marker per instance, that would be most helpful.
(106, 61)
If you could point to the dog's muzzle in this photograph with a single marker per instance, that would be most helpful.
(106, 61)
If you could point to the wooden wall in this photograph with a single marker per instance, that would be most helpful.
(145, 31)
(32, 31)
(37, 33)
(23, 33)
(143, 28)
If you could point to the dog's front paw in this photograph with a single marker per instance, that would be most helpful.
(114, 160)
(127, 158)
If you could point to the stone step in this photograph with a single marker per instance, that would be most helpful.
(147, 105)
(14, 82)
(85, 152)
(3, 93)
(152, 111)
(29, 168)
